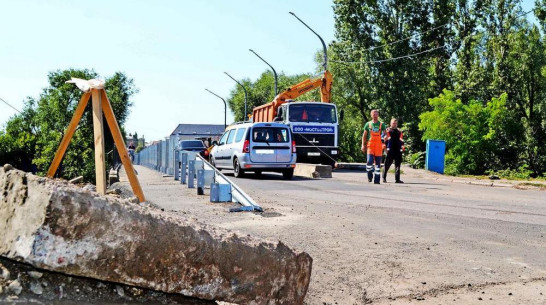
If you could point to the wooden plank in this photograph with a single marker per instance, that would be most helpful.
(68, 135)
(98, 131)
(120, 145)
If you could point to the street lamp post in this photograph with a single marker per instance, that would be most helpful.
(325, 64)
(244, 89)
(274, 72)
(225, 106)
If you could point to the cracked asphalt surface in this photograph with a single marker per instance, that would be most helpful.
(429, 241)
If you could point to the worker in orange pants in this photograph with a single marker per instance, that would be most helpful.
(373, 147)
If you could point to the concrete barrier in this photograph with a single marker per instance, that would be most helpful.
(60, 227)
(313, 170)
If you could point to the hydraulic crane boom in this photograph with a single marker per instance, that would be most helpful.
(267, 112)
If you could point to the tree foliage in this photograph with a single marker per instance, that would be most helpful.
(261, 92)
(397, 55)
(30, 139)
(478, 50)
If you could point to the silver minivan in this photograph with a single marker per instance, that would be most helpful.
(256, 147)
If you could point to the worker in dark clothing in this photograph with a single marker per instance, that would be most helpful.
(394, 142)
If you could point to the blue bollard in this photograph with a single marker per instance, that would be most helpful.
(200, 182)
(220, 192)
(191, 173)
(176, 165)
(183, 168)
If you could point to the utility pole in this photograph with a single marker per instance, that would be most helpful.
(225, 106)
(274, 72)
(325, 64)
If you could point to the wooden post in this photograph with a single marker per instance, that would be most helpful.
(120, 145)
(68, 135)
(98, 131)
(100, 104)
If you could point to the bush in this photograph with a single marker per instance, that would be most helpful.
(417, 160)
(470, 131)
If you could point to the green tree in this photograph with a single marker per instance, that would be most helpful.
(34, 135)
(369, 32)
(261, 92)
(478, 49)
(470, 131)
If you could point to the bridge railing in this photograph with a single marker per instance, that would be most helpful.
(164, 156)
(159, 156)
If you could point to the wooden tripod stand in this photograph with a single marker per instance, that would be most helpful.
(101, 105)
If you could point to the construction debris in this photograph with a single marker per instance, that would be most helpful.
(76, 180)
(60, 227)
(57, 288)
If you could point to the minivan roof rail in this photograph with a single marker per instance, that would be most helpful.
(237, 123)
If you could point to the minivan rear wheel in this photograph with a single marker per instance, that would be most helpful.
(288, 173)
(213, 163)
(237, 171)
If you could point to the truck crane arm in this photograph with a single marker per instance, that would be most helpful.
(324, 82)
(267, 112)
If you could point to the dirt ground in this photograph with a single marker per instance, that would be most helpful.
(432, 240)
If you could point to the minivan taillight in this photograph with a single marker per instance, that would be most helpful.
(246, 147)
(293, 146)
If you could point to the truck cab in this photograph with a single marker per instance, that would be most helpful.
(315, 128)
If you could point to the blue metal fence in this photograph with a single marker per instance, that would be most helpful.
(164, 156)
(159, 156)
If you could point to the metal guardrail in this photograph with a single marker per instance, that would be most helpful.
(238, 194)
(164, 157)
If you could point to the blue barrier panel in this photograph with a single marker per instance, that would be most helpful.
(435, 159)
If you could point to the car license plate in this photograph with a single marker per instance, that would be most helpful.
(265, 151)
(334, 152)
(313, 154)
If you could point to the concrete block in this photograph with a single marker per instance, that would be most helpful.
(313, 170)
(60, 227)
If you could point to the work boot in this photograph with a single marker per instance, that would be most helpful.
(399, 181)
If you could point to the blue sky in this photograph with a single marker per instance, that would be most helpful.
(172, 49)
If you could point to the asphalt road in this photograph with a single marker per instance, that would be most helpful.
(430, 240)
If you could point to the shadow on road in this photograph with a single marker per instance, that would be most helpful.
(267, 176)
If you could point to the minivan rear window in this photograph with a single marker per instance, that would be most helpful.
(270, 134)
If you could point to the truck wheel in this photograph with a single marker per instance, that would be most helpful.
(237, 171)
(288, 173)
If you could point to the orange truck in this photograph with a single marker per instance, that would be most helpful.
(314, 125)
